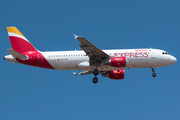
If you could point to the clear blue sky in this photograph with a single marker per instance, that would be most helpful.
(30, 93)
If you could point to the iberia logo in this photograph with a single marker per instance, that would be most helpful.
(121, 59)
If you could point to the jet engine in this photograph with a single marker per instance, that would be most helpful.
(118, 61)
(115, 74)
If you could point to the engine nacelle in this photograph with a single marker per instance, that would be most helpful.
(118, 62)
(84, 65)
(115, 74)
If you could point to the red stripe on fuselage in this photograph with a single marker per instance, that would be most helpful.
(36, 59)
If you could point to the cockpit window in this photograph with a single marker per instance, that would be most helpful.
(164, 53)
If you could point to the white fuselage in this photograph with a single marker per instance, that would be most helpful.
(135, 58)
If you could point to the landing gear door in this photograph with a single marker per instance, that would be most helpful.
(153, 54)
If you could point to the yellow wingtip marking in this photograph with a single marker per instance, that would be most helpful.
(14, 30)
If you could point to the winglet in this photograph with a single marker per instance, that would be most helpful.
(75, 73)
(75, 36)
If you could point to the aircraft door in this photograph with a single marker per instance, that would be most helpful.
(40, 57)
(153, 54)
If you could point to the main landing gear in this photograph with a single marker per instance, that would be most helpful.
(153, 70)
(95, 79)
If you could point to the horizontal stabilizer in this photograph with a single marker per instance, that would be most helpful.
(17, 54)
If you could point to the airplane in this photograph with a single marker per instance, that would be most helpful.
(91, 59)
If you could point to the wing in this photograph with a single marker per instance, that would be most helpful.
(82, 73)
(95, 54)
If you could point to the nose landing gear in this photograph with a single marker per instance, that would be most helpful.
(153, 70)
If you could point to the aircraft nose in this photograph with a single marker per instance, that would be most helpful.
(173, 59)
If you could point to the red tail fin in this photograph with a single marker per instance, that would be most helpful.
(19, 42)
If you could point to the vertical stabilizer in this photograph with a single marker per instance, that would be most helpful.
(18, 41)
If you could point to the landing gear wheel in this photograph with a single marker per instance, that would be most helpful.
(95, 80)
(154, 74)
(96, 72)
(153, 70)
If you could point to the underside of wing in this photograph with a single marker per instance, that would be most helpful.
(82, 73)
